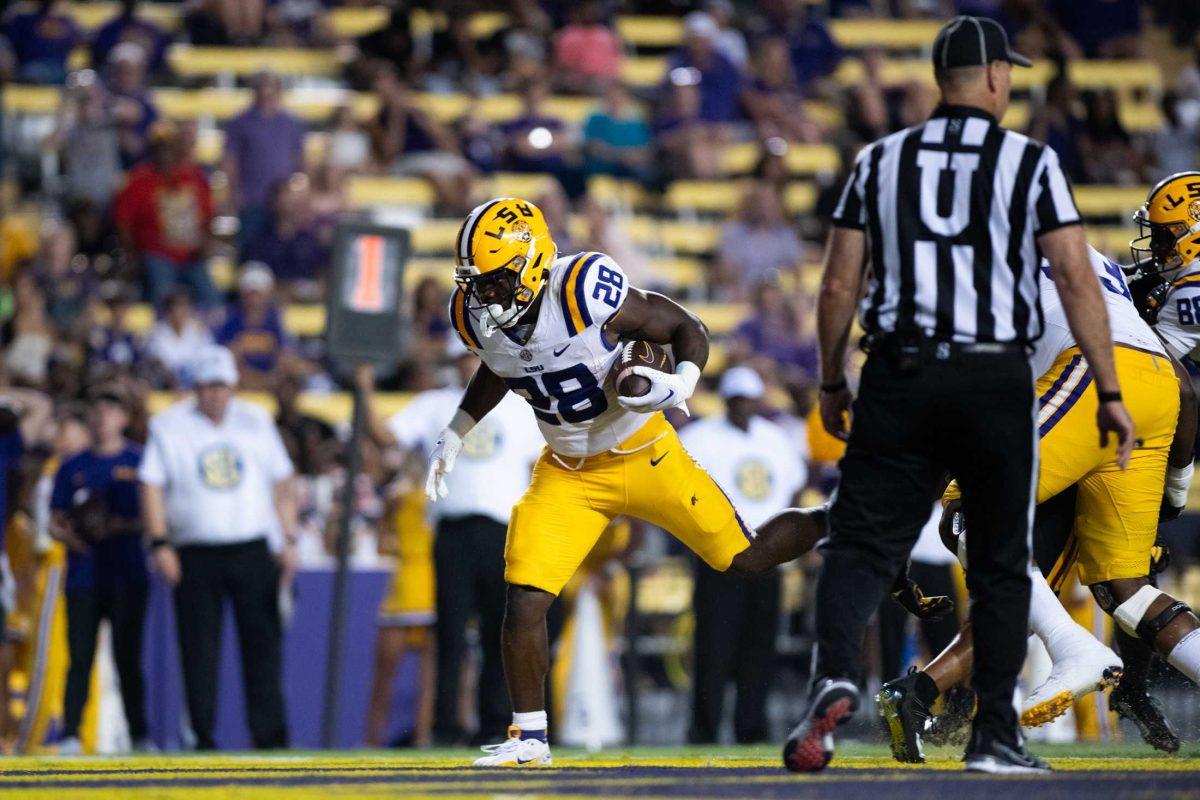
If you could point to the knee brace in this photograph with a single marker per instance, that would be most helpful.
(1130, 615)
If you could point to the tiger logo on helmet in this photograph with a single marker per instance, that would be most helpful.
(502, 255)
(1169, 223)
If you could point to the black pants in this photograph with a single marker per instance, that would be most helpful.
(245, 574)
(971, 415)
(468, 556)
(736, 622)
(124, 606)
(934, 579)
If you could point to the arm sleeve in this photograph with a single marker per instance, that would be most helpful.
(279, 464)
(409, 425)
(1054, 204)
(1178, 323)
(153, 468)
(593, 289)
(851, 210)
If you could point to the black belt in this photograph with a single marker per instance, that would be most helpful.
(909, 351)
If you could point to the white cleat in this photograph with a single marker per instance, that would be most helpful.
(1071, 678)
(515, 752)
(70, 746)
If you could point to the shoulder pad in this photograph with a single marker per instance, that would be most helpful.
(592, 288)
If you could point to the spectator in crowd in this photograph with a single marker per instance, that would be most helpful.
(737, 618)
(129, 28)
(607, 233)
(65, 278)
(407, 140)
(689, 146)
(326, 202)
(1056, 123)
(1177, 144)
(349, 146)
(216, 486)
(455, 60)
(587, 53)
(1109, 155)
(127, 67)
(720, 83)
(86, 137)
(815, 54)
(109, 341)
(773, 99)
(429, 311)
(97, 514)
(263, 146)
(616, 139)
(163, 215)
(253, 328)
(289, 245)
(468, 551)
(556, 208)
(1102, 28)
(176, 338)
(311, 443)
(536, 141)
(28, 337)
(731, 42)
(391, 46)
(870, 112)
(42, 40)
(772, 334)
(522, 45)
(758, 244)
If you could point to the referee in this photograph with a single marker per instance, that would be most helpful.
(950, 217)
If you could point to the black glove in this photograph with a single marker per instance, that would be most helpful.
(909, 595)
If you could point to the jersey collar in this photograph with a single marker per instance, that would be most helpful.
(948, 110)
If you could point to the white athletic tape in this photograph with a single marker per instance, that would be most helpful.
(1130, 613)
(1178, 483)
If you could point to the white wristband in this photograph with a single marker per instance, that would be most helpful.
(461, 423)
(1179, 480)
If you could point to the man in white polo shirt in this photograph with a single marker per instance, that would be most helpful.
(491, 474)
(216, 485)
(752, 459)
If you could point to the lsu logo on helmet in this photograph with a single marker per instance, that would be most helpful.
(1170, 225)
(502, 255)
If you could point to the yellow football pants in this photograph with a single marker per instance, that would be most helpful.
(1116, 514)
(570, 501)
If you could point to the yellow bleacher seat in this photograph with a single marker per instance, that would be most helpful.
(890, 34)
(518, 184)
(692, 238)
(418, 269)
(1109, 201)
(721, 318)
(352, 22)
(304, 319)
(718, 196)
(20, 99)
(643, 71)
(650, 31)
(93, 14)
(220, 104)
(1112, 239)
(617, 192)
(363, 191)
(334, 408)
(1128, 74)
(799, 197)
(680, 272)
(190, 61)
(826, 114)
(435, 236)
(801, 159)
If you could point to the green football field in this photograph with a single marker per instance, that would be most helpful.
(863, 772)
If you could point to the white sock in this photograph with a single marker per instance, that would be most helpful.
(1051, 622)
(530, 720)
(1185, 657)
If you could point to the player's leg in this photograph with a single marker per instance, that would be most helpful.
(83, 623)
(389, 647)
(550, 533)
(719, 611)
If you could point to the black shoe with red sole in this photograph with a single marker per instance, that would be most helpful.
(809, 747)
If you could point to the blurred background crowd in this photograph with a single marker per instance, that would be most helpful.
(172, 174)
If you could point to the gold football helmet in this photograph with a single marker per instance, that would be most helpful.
(503, 255)
(1169, 222)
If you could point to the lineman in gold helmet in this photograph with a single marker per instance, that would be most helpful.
(549, 328)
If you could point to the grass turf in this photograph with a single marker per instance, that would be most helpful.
(862, 771)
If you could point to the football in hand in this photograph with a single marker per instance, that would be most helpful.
(639, 354)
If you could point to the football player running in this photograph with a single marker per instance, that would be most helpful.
(547, 327)
(1109, 525)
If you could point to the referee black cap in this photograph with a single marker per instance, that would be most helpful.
(973, 42)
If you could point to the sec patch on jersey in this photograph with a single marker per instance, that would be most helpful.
(639, 354)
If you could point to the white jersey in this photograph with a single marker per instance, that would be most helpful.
(562, 371)
(1127, 325)
(1178, 320)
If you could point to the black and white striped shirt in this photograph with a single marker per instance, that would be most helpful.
(952, 210)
